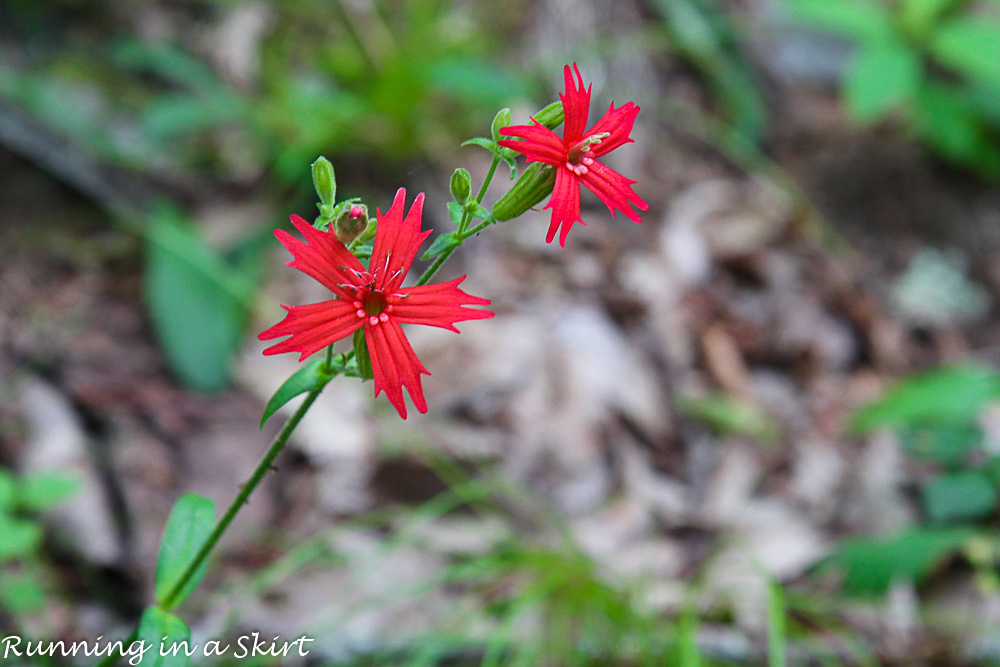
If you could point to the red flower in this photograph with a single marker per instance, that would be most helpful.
(575, 156)
(372, 298)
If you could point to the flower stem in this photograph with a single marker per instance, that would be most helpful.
(462, 225)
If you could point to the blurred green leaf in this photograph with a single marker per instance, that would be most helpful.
(918, 17)
(362, 357)
(21, 592)
(959, 496)
(953, 394)
(307, 378)
(872, 565)
(865, 20)
(883, 75)
(165, 633)
(971, 46)
(19, 538)
(196, 301)
(946, 444)
(190, 523)
(43, 491)
(8, 486)
(727, 414)
(476, 81)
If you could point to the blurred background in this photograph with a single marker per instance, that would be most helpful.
(762, 427)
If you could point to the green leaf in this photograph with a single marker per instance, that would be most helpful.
(163, 632)
(196, 302)
(918, 17)
(865, 20)
(442, 243)
(959, 496)
(44, 491)
(970, 46)
(945, 395)
(951, 124)
(21, 592)
(946, 444)
(8, 490)
(455, 211)
(727, 414)
(19, 538)
(482, 142)
(884, 75)
(362, 358)
(872, 565)
(483, 214)
(190, 523)
(309, 377)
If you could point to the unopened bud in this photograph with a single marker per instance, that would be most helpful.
(534, 185)
(325, 182)
(461, 185)
(502, 119)
(351, 222)
(551, 116)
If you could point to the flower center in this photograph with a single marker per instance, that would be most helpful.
(581, 149)
(373, 302)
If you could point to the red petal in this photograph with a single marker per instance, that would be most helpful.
(538, 144)
(576, 106)
(619, 123)
(313, 327)
(438, 305)
(397, 240)
(614, 190)
(565, 205)
(395, 365)
(322, 256)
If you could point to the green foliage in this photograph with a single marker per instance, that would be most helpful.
(313, 375)
(730, 415)
(959, 496)
(871, 565)
(930, 61)
(701, 33)
(162, 630)
(189, 526)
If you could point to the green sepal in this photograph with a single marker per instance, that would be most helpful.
(361, 355)
(442, 243)
(313, 375)
(534, 185)
(482, 142)
(461, 185)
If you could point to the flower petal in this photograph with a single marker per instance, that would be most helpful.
(322, 256)
(438, 305)
(313, 327)
(565, 205)
(618, 122)
(614, 190)
(537, 142)
(395, 365)
(397, 240)
(576, 106)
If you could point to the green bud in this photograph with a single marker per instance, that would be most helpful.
(502, 119)
(535, 183)
(351, 222)
(461, 185)
(325, 182)
(551, 116)
(361, 355)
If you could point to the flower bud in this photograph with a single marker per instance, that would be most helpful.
(325, 182)
(551, 116)
(351, 222)
(461, 185)
(535, 183)
(502, 119)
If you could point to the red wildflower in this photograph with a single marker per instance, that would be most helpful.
(372, 298)
(575, 156)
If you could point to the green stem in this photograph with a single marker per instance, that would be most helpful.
(113, 657)
(463, 223)
(248, 487)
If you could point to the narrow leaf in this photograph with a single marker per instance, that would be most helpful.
(959, 496)
(442, 243)
(163, 633)
(883, 76)
(482, 142)
(44, 491)
(190, 523)
(307, 378)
